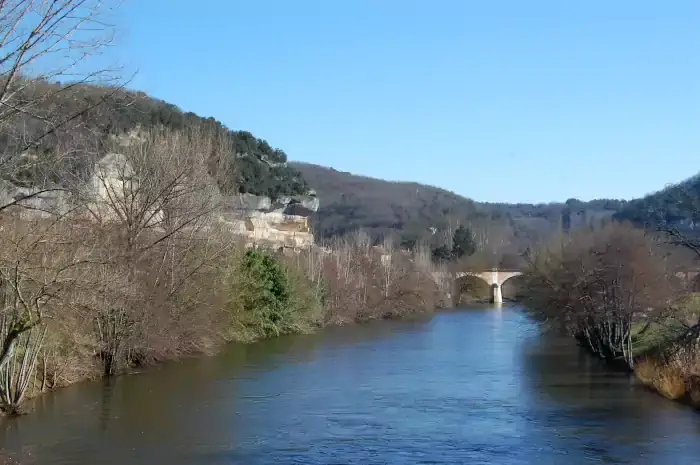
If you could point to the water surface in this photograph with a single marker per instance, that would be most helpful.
(467, 386)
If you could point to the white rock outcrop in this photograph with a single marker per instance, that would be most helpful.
(282, 222)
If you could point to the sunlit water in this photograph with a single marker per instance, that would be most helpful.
(468, 386)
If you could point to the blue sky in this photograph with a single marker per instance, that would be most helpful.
(519, 101)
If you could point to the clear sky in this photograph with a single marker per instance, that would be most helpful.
(498, 100)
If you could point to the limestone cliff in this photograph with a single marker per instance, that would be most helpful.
(261, 220)
(283, 222)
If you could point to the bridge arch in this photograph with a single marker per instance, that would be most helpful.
(494, 278)
(467, 288)
(513, 288)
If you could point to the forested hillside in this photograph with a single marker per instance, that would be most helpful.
(96, 114)
(416, 211)
(351, 202)
(676, 206)
(92, 115)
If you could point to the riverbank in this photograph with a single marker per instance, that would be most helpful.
(663, 360)
(666, 362)
(669, 381)
(158, 276)
(256, 294)
(614, 289)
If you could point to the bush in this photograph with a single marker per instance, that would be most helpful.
(269, 299)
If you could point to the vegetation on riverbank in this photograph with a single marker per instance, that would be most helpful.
(147, 273)
(103, 270)
(615, 291)
(148, 276)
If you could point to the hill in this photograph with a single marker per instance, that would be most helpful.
(351, 202)
(415, 211)
(91, 115)
(412, 211)
(676, 206)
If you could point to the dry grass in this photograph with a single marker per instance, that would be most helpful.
(667, 378)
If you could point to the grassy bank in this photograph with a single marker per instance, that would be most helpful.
(667, 357)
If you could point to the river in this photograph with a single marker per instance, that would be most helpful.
(473, 386)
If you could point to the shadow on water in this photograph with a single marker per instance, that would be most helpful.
(158, 401)
(579, 395)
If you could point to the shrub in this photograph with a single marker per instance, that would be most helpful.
(268, 299)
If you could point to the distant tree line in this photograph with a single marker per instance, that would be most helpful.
(676, 206)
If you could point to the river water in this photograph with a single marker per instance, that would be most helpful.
(474, 386)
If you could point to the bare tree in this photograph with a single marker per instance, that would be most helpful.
(154, 203)
(388, 263)
(40, 261)
(156, 188)
(597, 285)
(45, 51)
(449, 231)
(690, 203)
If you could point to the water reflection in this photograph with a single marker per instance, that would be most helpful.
(616, 419)
(477, 385)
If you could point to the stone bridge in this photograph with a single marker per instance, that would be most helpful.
(495, 278)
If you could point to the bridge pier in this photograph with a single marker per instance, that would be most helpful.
(496, 294)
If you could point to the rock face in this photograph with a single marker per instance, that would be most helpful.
(39, 203)
(111, 187)
(282, 222)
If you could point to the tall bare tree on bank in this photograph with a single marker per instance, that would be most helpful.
(154, 204)
(41, 260)
(597, 285)
(46, 48)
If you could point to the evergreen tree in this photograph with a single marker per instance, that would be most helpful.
(463, 242)
(442, 254)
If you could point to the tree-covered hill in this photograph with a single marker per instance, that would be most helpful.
(94, 115)
(677, 206)
(90, 116)
(351, 202)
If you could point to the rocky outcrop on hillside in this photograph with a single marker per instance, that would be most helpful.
(282, 222)
(37, 202)
(261, 220)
